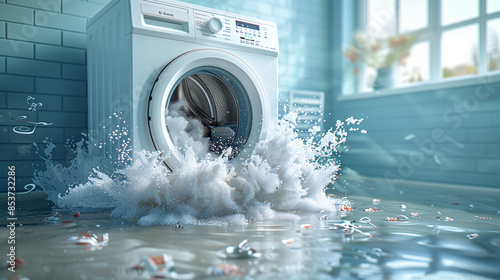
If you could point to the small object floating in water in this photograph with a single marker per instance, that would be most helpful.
(224, 269)
(448, 219)
(403, 218)
(346, 205)
(177, 226)
(287, 241)
(472, 235)
(371, 209)
(322, 215)
(471, 206)
(160, 267)
(375, 201)
(367, 220)
(414, 215)
(482, 218)
(305, 226)
(238, 252)
(75, 215)
(438, 215)
(90, 239)
(403, 206)
(54, 218)
(454, 203)
(400, 218)
(351, 228)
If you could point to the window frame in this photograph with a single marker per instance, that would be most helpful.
(432, 34)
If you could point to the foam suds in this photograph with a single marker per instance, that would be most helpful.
(284, 174)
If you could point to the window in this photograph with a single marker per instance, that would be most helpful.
(445, 39)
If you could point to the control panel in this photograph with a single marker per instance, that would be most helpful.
(231, 30)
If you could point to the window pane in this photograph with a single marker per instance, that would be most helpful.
(459, 52)
(493, 45)
(493, 6)
(412, 15)
(415, 68)
(457, 10)
(381, 18)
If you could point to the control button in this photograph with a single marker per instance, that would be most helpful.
(214, 24)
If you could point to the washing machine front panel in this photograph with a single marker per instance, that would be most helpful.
(121, 79)
(218, 89)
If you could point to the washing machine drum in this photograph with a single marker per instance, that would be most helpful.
(219, 100)
(211, 101)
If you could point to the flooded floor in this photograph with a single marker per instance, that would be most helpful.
(451, 233)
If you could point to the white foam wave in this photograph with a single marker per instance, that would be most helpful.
(284, 174)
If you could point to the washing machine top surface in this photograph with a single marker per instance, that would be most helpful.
(187, 22)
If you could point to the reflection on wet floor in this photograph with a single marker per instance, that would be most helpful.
(462, 242)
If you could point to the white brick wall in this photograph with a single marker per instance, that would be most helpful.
(42, 55)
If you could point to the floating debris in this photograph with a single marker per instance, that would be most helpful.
(482, 218)
(224, 269)
(90, 239)
(238, 252)
(177, 226)
(400, 218)
(438, 215)
(54, 218)
(375, 201)
(472, 235)
(322, 215)
(454, 203)
(351, 228)
(287, 241)
(371, 209)
(403, 207)
(160, 267)
(414, 215)
(448, 219)
(305, 226)
(367, 220)
(346, 205)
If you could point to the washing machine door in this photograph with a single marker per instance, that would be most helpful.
(207, 97)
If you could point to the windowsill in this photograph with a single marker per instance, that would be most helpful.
(426, 86)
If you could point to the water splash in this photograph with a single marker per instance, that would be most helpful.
(283, 175)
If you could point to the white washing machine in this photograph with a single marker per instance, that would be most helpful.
(145, 55)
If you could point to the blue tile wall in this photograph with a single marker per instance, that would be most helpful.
(2, 29)
(421, 136)
(2, 64)
(32, 33)
(12, 13)
(43, 56)
(29, 67)
(16, 48)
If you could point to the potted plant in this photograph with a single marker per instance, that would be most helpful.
(380, 54)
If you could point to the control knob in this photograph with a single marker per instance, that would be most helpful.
(214, 24)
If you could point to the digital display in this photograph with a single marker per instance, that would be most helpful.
(247, 25)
